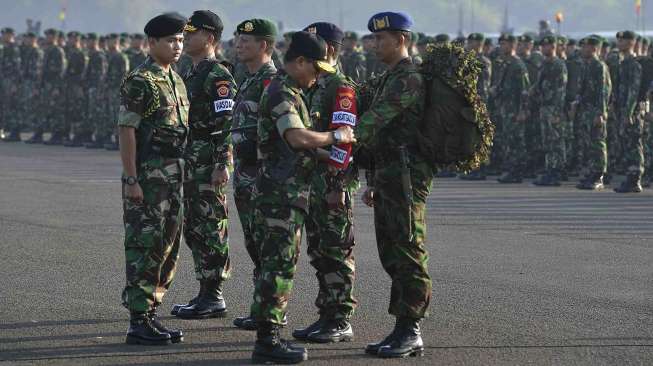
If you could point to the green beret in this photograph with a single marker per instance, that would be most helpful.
(442, 37)
(476, 37)
(548, 40)
(50, 32)
(124, 35)
(507, 37)
(627, 35)
(257, 27)
(62, 34)
(526, 38)
(73, 34)
(562, 41)
(351, 35)
(91, 35)
(113, 36)
(593, 41)
(138, 36)
(423, 41)
(488, 42)
(30, 35)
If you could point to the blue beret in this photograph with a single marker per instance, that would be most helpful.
(390, 21)
(327, 31)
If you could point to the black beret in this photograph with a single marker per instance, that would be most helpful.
(390, 21)
(310, 46)
(351, 35)
(204, 19)
(258, 27)
(627, 35)
(7, 30)
(507, 37)
(92, 36)
(476, 37)
(442, 38)
(164, 25)
(327, 31)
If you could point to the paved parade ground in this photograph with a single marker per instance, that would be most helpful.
(521, 275)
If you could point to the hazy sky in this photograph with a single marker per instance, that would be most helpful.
(431, 16)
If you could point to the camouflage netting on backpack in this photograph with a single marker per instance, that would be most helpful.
(456, 131)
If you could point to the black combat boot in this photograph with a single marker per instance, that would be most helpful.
(193, 301)
(333, 331)
(593, 182)
(509, 178)
(176, 335)
(408, 341)
(630, 185)
(55, 139)
(303, 333)
(78, 140)
(14, 136)
(270, 348)
(249, 323)
(210, 305)
(37, 138)
(373, 348)
(473, 175)
(97, 144)
(141, 331)
(646, 181)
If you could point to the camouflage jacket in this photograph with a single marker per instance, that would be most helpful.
(10, 62)
(396, 110)
(353, 65)
(184, 65)
(373, 66)
(628, 84)
(551, 85)
(54, 64)
(77, 62)
(512, 82)
(326, 100)
(117, 68)
(574, 69)
(31, 64)
(96, 70)
(533, 64)
(154, 102)
(595, 87)
(246, 112)
(284, 175)
(485, 77)
(211, 90)
(136, 57)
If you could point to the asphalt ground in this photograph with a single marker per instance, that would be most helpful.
(521, 275)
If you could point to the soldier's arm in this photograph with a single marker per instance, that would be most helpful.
(561, 88)
(634, 86)
(61, 64)
(221, 89)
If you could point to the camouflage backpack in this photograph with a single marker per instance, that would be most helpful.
(456, 130)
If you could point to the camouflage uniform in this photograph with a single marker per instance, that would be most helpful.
(155, 104)
(117, 68)
(136, 57)
(52, 90)
(184, 65)
(10, 65)
(75, 98)
(550, 98)
(211, 89)
(373, 66)
(283, 186)
(94, 79)
(615, 145)
(29, 90)
(400, 225)
(533, 124)
(330, 230)
(630, 115)
(244, 144)
(574, 66)
(353, 65)
(592, 114)
(485, 77)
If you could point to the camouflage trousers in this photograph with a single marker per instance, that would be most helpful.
(648, 146)
(400, 235)
(534, 140)
(52, 108)
(513, 144)
(330, 238)
(553, 138)
(95, 108)
(9, 104)
(280, 237)
(152, 236)
(633, 144)
(592, 152)
(76, 118)
(205, 226)
(569, 135)
(244, 194)
(107, 127)
(29, 93)
(615, 145)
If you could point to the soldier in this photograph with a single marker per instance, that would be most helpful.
(94, 79)
(630, 109)
(510, 100)
(549, 95)
(592, 115)
(52, 107)
(10, 65)
(153, 123)
(287, 157)
(211, 89)
(352, 60)
(615, 145)
(117, 68)
(254, 48)
(31, 67)
(533, 125)
(75, 96)
(423, 41)
(125, 40)
(388, 130)
(329, 225)
(561, 50)
(136, 52)
(184, 65)
(414, 53)
(442, 38)
(373, 67)
(574, 66)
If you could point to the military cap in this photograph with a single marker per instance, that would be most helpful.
(442, 37)
(73, 34)
(646, 40)
(425, 40)
(476, 37)
(30, 35)
(548, 40)
(92, 36)
(639, 38)
(368, 36)
(459, 40)
(112, 36)
(204, 19)
(627, 35)
(258, 27)
(164, 25)
(526, 38)
(562, 40)
(571, 42)
(310, 46)
(124, 35)
(7, 30)
(61, 34)
(390, 21)
(593, 41)
(327, 31)
(351, 35)
(138, 36)
(507, 38)
(488, 42)
(582, 42)
(50, 32)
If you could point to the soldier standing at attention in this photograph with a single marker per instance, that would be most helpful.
(332, 102)
(52, 109)
(135, 52)
(211, 90)
(388, 130)
(10, 64)
(117, 68)
(630, 108)
(592, 115)
(76, 118)
(254, 48)
(549, 95)
(96, 72)
(287, 159)
(533, 125)
(31, 66)
(153, 124)
(352, 59)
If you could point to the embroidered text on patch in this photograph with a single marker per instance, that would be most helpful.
(223, 105)
(344, 118)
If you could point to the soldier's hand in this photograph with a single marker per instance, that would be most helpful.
(347, 135)
(336, 200)
(134, 193)
(220, 176)
(368, 197)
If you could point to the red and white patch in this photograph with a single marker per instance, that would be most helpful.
(345, 103)
(266, 82)
(223, 91)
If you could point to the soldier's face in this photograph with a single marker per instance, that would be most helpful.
(303, 71)
(248, 48)
(387, 45)
(506, 47)
(137, 43)
(548, 50)
(349, 43)
(167, 50)
(196, 42)
(474, 45)
(50, 38)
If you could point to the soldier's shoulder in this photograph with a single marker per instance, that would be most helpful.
(220, 71)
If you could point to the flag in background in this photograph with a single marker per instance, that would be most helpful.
(638, 6)
(62, 14)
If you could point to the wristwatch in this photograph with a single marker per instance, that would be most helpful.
(129, 180)
(337, 137)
